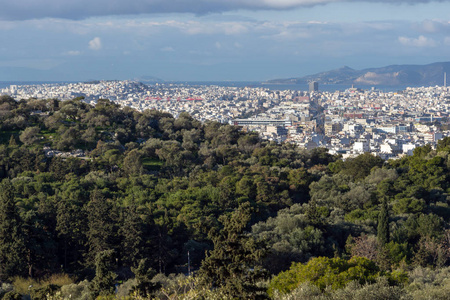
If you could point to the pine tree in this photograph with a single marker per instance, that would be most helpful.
(313, 215)
(234, 264)
(103, 282)
(102, 231)
(12, 246)
(132, 232)
(383, 224)
(144, 274)
(39, 243)
(70, 227)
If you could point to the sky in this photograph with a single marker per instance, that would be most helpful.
(215, 40)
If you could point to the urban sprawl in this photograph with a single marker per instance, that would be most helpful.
(350, 122)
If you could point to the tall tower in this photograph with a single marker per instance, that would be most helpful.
(445, 79)
(313, 86)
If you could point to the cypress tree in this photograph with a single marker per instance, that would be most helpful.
(102, 229)
(12, 246)
(234, 264)
(133, 236)
(144, 274)
(70, 227)
(383, 224)
(103, 282)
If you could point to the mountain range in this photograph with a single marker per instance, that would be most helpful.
(416, 75)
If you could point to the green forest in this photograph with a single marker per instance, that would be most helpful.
(105, 202)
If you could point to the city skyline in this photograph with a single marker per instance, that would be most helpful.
(215, 40)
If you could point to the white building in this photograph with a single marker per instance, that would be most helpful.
(408, 148)
(361, 146)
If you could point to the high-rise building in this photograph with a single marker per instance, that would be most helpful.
(331, 128)
(313, 86)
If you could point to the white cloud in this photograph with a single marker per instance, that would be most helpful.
(228, 28)
(72, 53)
(430, 26)
(290, 34)
(235, 28)
(95, 44)
(421, 41)
(5, 25)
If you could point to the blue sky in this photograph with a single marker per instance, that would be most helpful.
(215, 39)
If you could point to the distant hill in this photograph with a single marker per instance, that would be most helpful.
(432, 74)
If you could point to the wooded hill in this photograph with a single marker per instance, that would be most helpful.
(154, 194)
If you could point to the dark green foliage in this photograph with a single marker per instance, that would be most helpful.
(383, 224)
(144, 275)
(443, 144)
(29, 135)
(324, 272)
(152, 186)
(70, 228)
(102, 227)
(421, 152)
(39, 243)
(339, 191)
(44, 292)
(291, 238)
(234, 264)
(397, 252)
(360, 166)
(12, 295)
(409, 205)
(104, 280)
(134, 236)
(132, 163)
(12, 242)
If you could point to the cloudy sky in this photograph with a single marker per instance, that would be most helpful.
(215, 39)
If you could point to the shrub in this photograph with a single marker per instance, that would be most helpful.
(353, 291)
(305, 290)
(12, 295)
(430, 291)
(43, 292)
(378, 290)
(323, 272)
(78, 291)
(23, 285)
(5, 288)
(125, 288)
(26, 286)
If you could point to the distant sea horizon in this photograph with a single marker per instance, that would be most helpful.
(4, 84)
(296, 87)
(252, 84)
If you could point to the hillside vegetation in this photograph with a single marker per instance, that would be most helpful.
(153, 206)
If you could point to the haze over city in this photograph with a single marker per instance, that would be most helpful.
(215, 40)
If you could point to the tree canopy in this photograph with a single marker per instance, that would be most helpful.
(78, 181)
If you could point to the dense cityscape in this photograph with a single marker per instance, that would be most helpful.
(350, 122)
